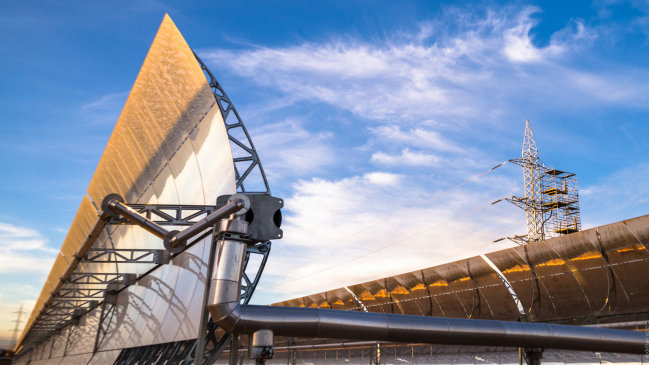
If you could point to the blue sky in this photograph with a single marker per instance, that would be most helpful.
(365, 115)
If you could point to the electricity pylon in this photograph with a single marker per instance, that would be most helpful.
(14, 337)
(533, 200)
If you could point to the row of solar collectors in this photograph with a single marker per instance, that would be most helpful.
(581, 278)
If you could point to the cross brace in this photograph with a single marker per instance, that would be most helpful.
(127, 256)
(78, 293)
(168, 214)
(100, 278)
(73, 303)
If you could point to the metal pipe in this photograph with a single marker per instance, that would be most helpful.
(203, 224)
(644, 324)
(202, 329)
(326, 323)
(136, 218)
(316, 346)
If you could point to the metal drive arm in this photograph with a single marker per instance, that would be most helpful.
(174, 241)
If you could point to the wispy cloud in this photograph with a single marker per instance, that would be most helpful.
(12, 297)
(104, 110)
(293, 150)
(624, 193)
(25, 260)
(416, 137)
(339, 232)
(21, 239)
(518, 47)
(107, 101)
(426, 106)
(406, 158)
(23, 249)
(478, 70)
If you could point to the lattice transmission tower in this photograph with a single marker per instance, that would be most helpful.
(14, 337)
(551, 200)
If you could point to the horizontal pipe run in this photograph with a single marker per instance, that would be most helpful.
(228, 313)
(637, 324)
(329, 323)
(136, 218)
(207, 222)
(320, 346)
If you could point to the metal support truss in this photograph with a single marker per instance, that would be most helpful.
(249, 177)
(168, 214)
(72, 331)
(551, 200)
(127, 256)
(245, 156)
(100, 278)
(108, 309)
(183, 352)
(54, 312)
(164, 353)
(81, 293)
(73, 303)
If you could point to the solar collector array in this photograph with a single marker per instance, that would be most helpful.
(596, 275)
(169, 146)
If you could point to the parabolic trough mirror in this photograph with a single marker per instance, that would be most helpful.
(176, 209)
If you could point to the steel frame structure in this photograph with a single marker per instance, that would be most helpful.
(100, 278)
(70, 298)
(183, 352)
(126, 256)
(169, 214)
(234, 125)
(551, 200)
(230, 310)
(532, 201)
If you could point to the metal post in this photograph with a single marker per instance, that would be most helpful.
(202, 330)
(236, 204)
(533, 356)
(234, 349)
(67, 340)
(101, 320)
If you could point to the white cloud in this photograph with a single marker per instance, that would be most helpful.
(107, 102)
(340, 232)
(293, 150)
(417, 137)
(104, 110)
(383, 178)
(406, 158)
(478, 72)
(21, 239)
(23, 250)
(518, 44)
(624, 193)
(436, 97)
(10, 302)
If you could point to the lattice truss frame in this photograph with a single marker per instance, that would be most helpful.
(551, 200)
(75, 298)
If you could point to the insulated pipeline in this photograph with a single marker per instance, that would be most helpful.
(327, 323)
